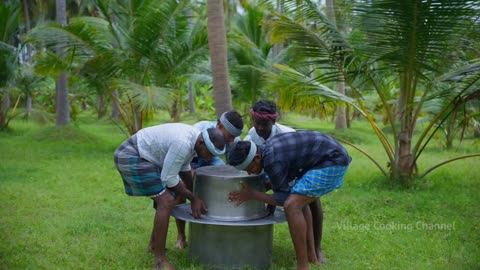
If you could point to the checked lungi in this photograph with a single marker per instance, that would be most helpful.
(316, 183)
(140, 177)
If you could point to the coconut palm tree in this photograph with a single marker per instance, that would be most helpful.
(407, 42)
(249, 56)
(142, 49)
(252, 56)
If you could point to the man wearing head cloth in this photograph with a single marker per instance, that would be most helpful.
(155, 163)
(231, 125)
(302, 166)
(264, 115)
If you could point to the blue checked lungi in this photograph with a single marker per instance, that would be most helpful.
(140, 177)
(316, 183)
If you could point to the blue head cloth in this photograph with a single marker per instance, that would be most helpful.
(249, 158)
(210, 146)
(229, 126)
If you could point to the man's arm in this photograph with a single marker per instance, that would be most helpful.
(187, 178)
(198, 206)
(247, 194)
(176, 156)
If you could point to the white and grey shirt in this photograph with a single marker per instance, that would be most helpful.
(276, 129)
(169, 146)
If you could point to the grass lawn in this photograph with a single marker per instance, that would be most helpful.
(63, 207)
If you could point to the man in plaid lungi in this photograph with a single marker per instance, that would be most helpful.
(151, 164)
(302, 166)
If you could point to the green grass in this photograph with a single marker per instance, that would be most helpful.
(63, 207)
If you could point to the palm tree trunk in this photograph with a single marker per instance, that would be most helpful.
(450, 129)
(115, 112)
(217, 42)
(230, 13)
(62, 104)
(191, 98)
(101, 106)
(174, 114)
(4, 106)
(277, 47)
(349, 118)
(28, 53)
(28, 106)
(330, 5)
(340, 115)
(403, 169)
(26, 15)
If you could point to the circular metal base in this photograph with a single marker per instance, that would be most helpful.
(231, 247)
(183, 212)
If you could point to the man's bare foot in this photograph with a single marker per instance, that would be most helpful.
(321, 259)
(163, 264)
(313, 260)
(181, 244)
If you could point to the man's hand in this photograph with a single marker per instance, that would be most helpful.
(242, 195)
(198, 207)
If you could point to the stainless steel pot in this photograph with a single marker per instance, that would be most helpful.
(213, 183)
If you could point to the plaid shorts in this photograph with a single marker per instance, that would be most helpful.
(316, 183)
(140, 177)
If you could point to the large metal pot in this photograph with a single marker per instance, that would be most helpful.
(213, 183)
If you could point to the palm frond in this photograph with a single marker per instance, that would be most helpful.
(446, 162)
(312, 34)
(88, 33)
(409, 34)
(291, 80)
(470, 71)
(9, 21)
(185, 53)
(155, 23)
(101, 68)
(50, 64)
(147, 98)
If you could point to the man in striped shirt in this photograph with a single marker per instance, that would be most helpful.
(302, 167)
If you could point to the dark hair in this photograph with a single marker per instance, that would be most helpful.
(217, 138)
(234, 118)
(239, 152)
(265, 106)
